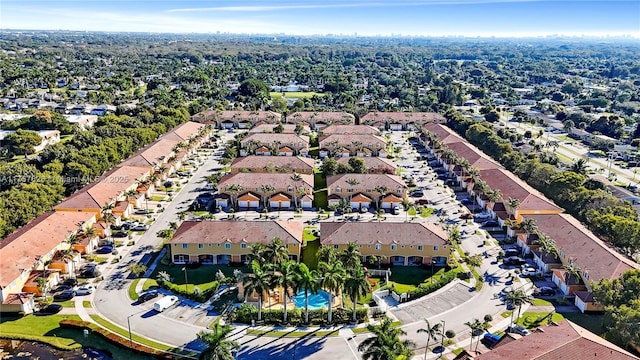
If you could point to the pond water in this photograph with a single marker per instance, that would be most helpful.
(27, 350)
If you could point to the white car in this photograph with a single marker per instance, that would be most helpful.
(529, 271)
(85, 290)
(517, 329)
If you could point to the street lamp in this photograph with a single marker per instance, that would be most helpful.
(186, 283)
(433, 263)
(444, 325)
(129, 327)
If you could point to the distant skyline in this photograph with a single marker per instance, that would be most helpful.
(484, 18)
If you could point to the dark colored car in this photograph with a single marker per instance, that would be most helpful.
(50, 309)
(467, 216)
(490, 224)
(64, 296)
(146, 296)
(545, 291)
(104, 250)
(71, 282)
(120, 234)
(90, 273)
(62, 287)
(467, 201)
(514, 260)
(417, 193)
(511, 252)
(142, 211)
(490, 339)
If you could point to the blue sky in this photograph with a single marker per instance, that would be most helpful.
(306, 17)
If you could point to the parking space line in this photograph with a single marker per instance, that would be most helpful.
(355, 356)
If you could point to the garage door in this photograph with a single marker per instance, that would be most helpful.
(387, 205)
(395, 126)
(253, 204)
(221, 202)
(280, 204)
(357, 204)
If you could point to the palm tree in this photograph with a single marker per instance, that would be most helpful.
(300, 192)
(350, 257)
(548, 246)
(276, 251)
(234, 189)
(579, 166)
(529, 225)
(43, 285)
(218, 346)
(266, 189)
(68, 255)
(385, 344)
(258, 253)
(381, 189)
(514, 204)
(355, 286)
(573, 273)
(518, 297)
(432, 332)
(476, 327)
(332, 280)
(307, 280)
(107, 213)
(286, 277)
(259, 281)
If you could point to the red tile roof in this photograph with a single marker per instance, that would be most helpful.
(444, 133)
(566, 341)
(187, 130)
(365, 181)
(279, 162)
(252, 181)
(212, 232)
(271, 138)
(268, 128)
(362, 233)
(373, 162)
(19, 298)
(475, 156)
(312, 117)
(588, 252)
(349, 140)
(511, 186)
(403, 117)
(350, 129)
(239, 115)
(22, 248)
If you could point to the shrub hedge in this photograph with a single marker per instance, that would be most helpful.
(246, 312)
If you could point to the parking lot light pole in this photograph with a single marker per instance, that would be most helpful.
(129, 327)
(433, 263)
(186, 283)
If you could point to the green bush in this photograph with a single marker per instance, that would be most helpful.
(427, 288)
(246, 312)
(194, 294)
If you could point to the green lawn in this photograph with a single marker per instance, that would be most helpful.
(541, 302)
(133, 295)
(157, 198)
(591, 322)
(320, 193)
(310, 250)
(38, 328)
(86, 304)
(534, 319)
(406, 278)
(203, 276)
(139, 339)
(148, 284)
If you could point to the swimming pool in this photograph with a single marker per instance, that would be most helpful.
(316, 301)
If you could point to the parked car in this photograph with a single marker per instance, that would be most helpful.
(395, 210)
(120, 234)
(85, 290)
(104, 250)
(490, 339)
(50, 309)
(468, 202)
(63, 287)
(490, 223)
(417, 193)
(105, 242)
(545, 291)
(70, 282)
(64, 296)
(422, 202)
(511, 252)
(90, 273)
(127, 225)
(517, 329)
(141, 227)
(146, 296)
(142, 211)
(467, 216)
(514, 260)
(364, 209)
(529, 271)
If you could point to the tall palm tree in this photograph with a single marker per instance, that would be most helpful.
(529, 225)
(285, 277)
(67, 256)
(276, 251)
(258, 251)
(579, 166)
(432, 332)
(385, 344)
(307, 281)
(518, 297)
(235, 190)
(350, 257)
(381, 189)
(355, 286)
(218, 346)
(326, 254)
(548, 246)
(332, 280)
(259, 281)
(514, 204)
(475, 326)
(266, 189)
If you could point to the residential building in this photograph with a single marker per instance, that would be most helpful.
(374, 165)
(225, 242)
(406, 244)
(273, 164)
(286, 129)
(274, 144)
(238, 119)
(320, 120)
(401, 120)
(350, 130)
(271, 190)
(556, 341)
(578, 248)
(29, 248)
(341, 145)
(82, 121)
(364, 190)
(49, 137)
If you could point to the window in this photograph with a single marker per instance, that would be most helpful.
(350, 190)
(200, 246)
(394, 247)
(419, 247)
(338, 190)
(227, 246)
(378, 246)
(243, 246)
(335, 246)
(586, 275)
(185, 246)
(435, 248)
